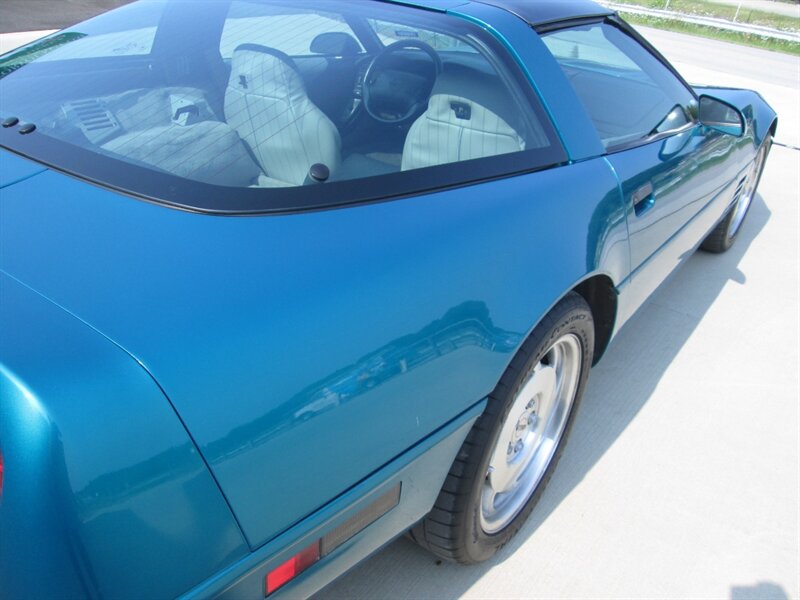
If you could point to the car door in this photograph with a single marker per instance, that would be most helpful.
(668, 164)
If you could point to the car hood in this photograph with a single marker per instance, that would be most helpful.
(279, 340)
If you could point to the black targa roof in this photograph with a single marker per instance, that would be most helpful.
(541, 12)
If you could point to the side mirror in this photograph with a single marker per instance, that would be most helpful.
(721, 116)
(335, 43)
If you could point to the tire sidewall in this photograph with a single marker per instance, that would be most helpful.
(567, 317)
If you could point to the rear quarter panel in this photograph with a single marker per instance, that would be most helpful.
(104, 494)
(305, 351)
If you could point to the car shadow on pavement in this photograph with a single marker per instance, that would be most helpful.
(762, 590)
(621, 383)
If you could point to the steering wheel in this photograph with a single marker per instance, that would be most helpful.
(393, 95)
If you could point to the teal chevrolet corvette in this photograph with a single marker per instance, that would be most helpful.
(282, 280)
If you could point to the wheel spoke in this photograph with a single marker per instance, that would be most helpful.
(530, 433)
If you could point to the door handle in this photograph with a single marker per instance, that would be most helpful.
(643, 199)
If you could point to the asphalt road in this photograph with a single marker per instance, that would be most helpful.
(682, 475)
(34, 15)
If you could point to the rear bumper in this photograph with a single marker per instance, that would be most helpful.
(420, 472)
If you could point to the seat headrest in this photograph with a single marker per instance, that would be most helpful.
(463, 97)
(264, 72)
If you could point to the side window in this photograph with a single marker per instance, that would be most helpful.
(628, 93)
(434, 101)
(290, 31)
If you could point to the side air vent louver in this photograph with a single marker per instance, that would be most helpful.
(94, 119)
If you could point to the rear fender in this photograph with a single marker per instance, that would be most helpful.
(104, 493)
(316, 325)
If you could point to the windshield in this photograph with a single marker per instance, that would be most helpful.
(266, 95)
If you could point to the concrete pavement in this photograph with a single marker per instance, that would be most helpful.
(776, 76)
(682, 476)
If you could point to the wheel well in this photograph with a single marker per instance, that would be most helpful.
(774, 127)
(601, 296)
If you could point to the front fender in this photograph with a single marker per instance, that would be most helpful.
(104, 493)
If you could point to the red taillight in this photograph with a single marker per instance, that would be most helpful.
(292, 567)
(1, 472)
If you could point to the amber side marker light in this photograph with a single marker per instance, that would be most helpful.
(301, 561)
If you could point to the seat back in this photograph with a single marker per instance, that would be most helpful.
(266, 103)
(469, 116)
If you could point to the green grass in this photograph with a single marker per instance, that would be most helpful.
(724, 11)
(714, 33)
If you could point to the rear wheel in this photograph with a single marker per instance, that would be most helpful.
(511, 451)
(724, 234)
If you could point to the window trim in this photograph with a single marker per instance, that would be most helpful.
(651, 138)
(151, 185)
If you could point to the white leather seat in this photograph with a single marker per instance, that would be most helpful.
(266, 103)
(208, 151)
(469, 115)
